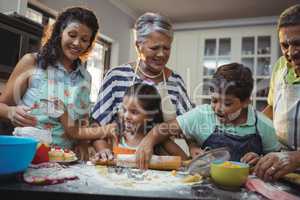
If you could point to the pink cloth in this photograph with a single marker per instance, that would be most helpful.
(48, 174)
(269, 191)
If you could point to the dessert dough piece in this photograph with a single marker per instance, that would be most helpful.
(191, 178)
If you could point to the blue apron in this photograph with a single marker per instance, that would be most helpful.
(238, 145)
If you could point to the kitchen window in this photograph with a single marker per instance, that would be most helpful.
(255, 53)
(97, 64)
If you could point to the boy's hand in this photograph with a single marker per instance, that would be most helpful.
(250, 158)
(195, 151)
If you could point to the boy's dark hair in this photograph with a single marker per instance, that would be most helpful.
(233, 79)
(149, 99)
(51, 50)
(289, 17)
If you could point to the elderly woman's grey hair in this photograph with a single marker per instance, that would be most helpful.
(152, 22)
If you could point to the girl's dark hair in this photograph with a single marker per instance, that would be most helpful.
(51, 50)
(233, 79)
(150, 101)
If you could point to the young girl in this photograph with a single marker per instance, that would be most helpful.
(55, 76)
(228, 121)
(141, 111)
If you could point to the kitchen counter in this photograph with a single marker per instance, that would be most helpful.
(87, 186)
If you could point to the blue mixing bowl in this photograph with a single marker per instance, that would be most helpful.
(16, 153)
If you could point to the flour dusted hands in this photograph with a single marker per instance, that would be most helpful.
(19, 116)
(275, 165)
(250, 158)
(104, 155)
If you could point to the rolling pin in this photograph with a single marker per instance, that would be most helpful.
(156, 162)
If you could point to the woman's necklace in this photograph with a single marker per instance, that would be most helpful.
(150, 76)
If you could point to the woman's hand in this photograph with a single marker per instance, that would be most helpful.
(250, 158)
(111, 131)
(19, 116)
(275, 165)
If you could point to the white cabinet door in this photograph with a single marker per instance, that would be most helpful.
(184, 58)
(196, 54)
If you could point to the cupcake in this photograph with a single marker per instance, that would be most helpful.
(69, 155)
(56, 154)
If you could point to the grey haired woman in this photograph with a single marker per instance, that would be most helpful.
(154, 36)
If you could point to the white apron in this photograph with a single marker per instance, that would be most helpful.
(286, 111)
(167, 107)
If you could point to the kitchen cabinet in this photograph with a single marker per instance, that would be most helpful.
(196, 54)
(18, 36)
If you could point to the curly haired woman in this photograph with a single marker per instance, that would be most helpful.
(55, 74)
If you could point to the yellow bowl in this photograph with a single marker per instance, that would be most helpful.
(229, 174)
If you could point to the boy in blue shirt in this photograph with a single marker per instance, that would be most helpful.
(228, 121)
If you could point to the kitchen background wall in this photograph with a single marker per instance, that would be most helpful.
(114, 23)
(207, 33)
(194, 22)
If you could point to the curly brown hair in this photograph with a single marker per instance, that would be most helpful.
(51, 50)
(233, 79)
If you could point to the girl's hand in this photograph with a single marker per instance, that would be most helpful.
(195, 151)
(250, 158)
(104, 155)
(19, 116)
